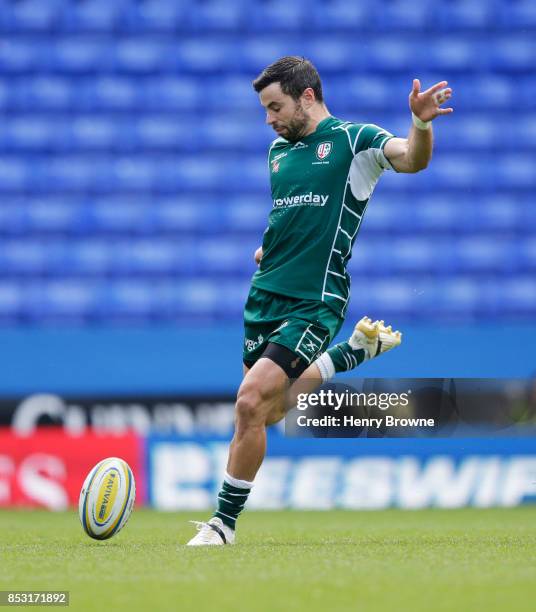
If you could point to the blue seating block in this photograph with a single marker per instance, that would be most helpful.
(133, 151)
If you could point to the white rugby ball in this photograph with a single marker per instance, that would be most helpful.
(107, 498)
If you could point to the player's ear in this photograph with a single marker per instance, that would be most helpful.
(308, 97)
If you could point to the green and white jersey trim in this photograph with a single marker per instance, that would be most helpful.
(365, 170)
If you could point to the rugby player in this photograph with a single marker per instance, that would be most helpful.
(323, 172)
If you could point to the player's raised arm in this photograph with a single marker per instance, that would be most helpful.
(413, 153)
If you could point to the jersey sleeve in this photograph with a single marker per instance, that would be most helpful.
(373, 138)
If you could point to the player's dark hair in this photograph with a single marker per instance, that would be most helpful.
(295, 74)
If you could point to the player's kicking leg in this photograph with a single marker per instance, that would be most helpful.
(368, 340)
(263, 399)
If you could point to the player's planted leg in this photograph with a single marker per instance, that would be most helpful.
(261, 393)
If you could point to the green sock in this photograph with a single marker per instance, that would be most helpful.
(231, 502)
(345, 358)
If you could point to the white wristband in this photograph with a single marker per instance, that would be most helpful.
(419, 124)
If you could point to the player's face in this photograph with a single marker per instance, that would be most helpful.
(286, 115)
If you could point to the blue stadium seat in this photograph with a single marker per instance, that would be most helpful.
(30, 15)
(81, 173)
(522, 132)
(277, 16)
(462, 15)
(453, 297)
(246, 213)
(14, 174)
(20, 257)
(513, 54)
(199, 56)
(121, 216)
(111, 93)
(89, 132)
(237, 133)
(254, 54)
(176, 214)
(388, 53)
(153, 256)
(365, 92)
(517, 14)
(42, 92)
(453, 54)
(23, 54)
(494, 92)
(340, 15)
(440, 213)
(499, 213)
(517, 295)
(527, 92)
(155, 16)
(527, 253)
(149, 55)
(516, 171)
(92, 15)
(76, 54)
(170, 93)
(52, 215)
(415, 254)
(330, 54)
(232, 299)
(370, 252)
(527, 213)
(30, 132)
(470, 132)
(239, 94)
(62, 300)
(5, 94)
(225, 256)
(384, 298)
(475, 254)
(217, 15)
(198, 297)
(11, 300)
(402, 15)
(459, 171)
(13, 220)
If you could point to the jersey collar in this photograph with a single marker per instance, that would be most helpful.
(321, 127)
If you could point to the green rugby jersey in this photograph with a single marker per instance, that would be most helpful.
(320, 189)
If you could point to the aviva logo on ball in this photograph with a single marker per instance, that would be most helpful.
(107, 494)
(107, 498)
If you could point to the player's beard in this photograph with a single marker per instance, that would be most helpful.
(297, 125)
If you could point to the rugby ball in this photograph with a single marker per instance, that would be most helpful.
(107, 498)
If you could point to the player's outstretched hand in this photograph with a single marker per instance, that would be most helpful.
(427, 104)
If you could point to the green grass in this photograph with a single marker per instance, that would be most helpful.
(433, 560)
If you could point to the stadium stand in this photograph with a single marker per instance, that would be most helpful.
(133, 154)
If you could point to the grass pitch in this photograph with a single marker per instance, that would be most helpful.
(431, 560)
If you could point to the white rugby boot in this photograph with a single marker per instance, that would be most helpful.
(374, 338)
(212, 533)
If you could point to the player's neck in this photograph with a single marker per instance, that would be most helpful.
(317, 115)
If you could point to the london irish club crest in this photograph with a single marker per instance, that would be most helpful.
(323, 149)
